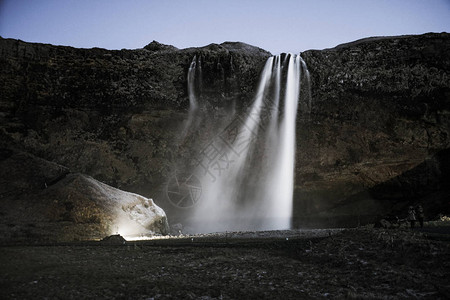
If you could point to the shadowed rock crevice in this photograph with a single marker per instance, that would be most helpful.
(425, 185)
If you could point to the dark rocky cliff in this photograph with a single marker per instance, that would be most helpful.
(113, 114)
(380, 108)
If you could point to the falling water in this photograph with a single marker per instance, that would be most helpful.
(283, 176)
(194, 80)
(247, 172)
(193, 103)
(308, 83)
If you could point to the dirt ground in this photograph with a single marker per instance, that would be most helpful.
(347, 264)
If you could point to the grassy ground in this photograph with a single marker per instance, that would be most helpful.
(350, 264)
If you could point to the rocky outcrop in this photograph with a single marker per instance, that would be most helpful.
(114, 115)
(43, 202)
(380, 108)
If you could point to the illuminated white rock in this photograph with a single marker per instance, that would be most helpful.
(63, 206)
(134, 214)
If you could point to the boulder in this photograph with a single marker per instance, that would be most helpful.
(43, 202)
(115, 239)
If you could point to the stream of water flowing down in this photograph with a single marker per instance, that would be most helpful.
(246, 172)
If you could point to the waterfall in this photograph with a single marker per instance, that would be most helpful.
(194, 79)
(282, 184)
(193, 102)
(308, 86)
(246, 173)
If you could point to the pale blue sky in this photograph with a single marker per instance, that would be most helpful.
(277, 25)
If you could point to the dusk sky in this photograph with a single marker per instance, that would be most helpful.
(276, 25)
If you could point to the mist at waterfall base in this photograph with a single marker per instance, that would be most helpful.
(245, 174)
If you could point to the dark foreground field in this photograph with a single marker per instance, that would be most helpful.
(349, 264)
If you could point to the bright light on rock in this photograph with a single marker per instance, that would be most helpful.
(135, 215)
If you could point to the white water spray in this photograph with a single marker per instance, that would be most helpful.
(247, 172)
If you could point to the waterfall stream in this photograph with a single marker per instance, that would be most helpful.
(246, 173)
(194, 79)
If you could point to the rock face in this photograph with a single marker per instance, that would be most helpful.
(114, 115)
(43, 202)
(381, 107)
(380, 110)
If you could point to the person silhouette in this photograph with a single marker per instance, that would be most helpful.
(411, 216)
(420, 215)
